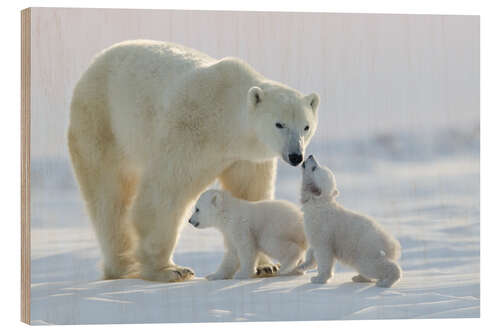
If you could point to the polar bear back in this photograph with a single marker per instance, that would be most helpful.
(371, 239)
(142, 70)
(165, 92)
(142, 77)
(277, 218)
(353, 235)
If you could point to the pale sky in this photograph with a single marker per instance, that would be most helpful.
(374, 73)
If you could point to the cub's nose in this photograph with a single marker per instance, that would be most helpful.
(295, 159)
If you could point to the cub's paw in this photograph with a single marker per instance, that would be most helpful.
(386, 283)
(319, 280)
(360, 279)
(301, 268)
(297, 271)
(267, 270)
(215, 276)
(169, 274)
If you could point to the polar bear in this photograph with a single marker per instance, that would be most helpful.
(153, 124)
(272, 227)
(335, 233)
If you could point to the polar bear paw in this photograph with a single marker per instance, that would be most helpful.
(267, 270)
(319, 279)
(386, 283)
(215, 276)
(169, 274)
(360, 279)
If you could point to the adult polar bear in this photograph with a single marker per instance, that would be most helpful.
(153, 124)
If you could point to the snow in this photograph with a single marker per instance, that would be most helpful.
(423, 189)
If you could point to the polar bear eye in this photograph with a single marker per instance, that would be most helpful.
(279, 125)
(197, 210)
(313, 168)
(306, 128)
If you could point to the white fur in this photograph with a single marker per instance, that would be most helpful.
(272, 227)
(153, 124)
(335, 233)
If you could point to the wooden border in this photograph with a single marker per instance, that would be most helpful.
(25, 163)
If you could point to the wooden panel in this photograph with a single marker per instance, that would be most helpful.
(25, 163)
(380, 78)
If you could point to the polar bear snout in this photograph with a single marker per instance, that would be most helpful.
(317, 180)
(311, 160)
(194, 223)
(293, 150)
(309, 163)
(295, 159)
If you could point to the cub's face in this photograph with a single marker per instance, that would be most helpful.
(285, 121)
(317, 181)
(207, 209)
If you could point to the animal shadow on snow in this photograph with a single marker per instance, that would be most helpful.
(72, 278)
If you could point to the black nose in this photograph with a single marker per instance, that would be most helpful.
(295, 159)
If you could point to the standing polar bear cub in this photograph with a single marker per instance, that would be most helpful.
(153, 124)
(272, 227)
(335, 233)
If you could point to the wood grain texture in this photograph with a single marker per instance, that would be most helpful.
(374, 73)
(25, 163)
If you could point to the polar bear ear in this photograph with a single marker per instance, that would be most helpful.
(335, 193)
(254, 96)
(313, 101)
(216, 200)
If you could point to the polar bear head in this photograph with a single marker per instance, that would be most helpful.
(283, 119)
(207, 211)
(318, 182)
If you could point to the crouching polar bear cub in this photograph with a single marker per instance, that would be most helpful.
(153, 124)
(335, 233)
(273, 227)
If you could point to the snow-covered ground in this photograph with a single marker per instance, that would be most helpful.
(423, 189)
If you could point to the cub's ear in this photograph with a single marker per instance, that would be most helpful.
(216, 199)
(254, 97)
(313, 101)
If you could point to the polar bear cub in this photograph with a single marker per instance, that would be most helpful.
(335, 233)
(271, 227)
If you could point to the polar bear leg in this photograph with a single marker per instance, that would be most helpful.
(107, 189)
(252, 181)
(229, 266)
(157, 215)
(289, 262)
(326, 260)
(247, 255)
(309, 262)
